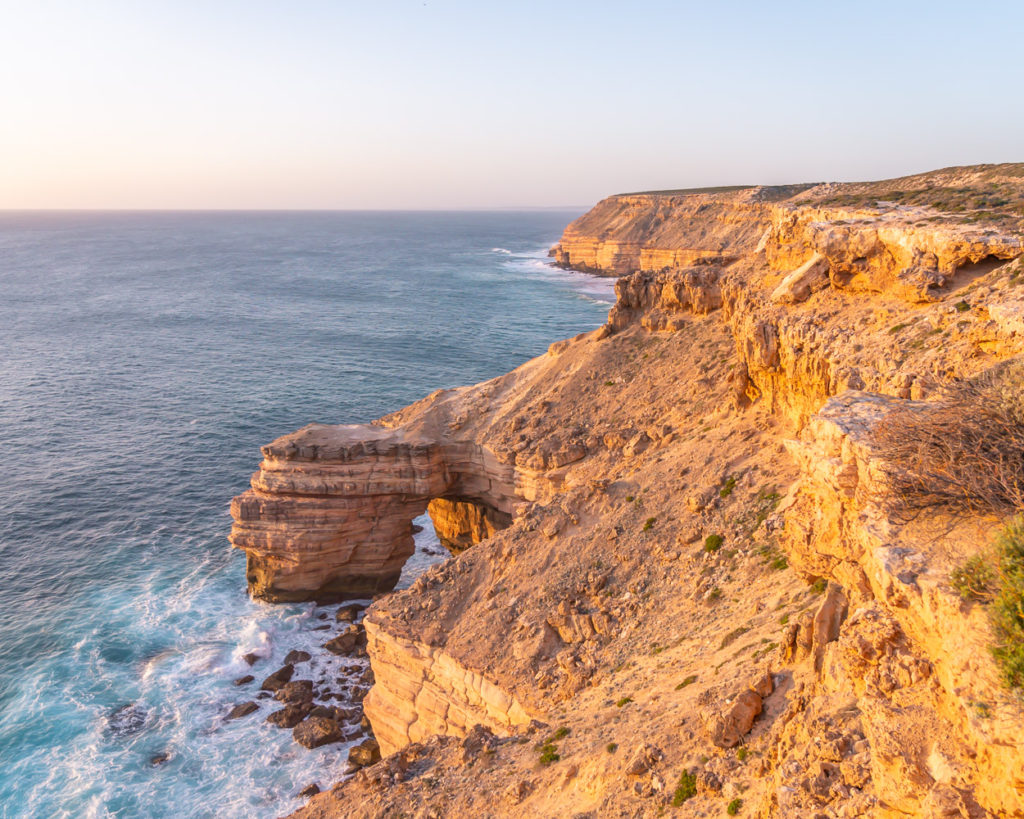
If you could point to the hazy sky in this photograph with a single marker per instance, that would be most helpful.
(394, 104)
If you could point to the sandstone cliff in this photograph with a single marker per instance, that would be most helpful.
(692, 586)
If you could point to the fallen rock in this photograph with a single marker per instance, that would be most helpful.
(296, 691)
(365, 753)
(317, 731)
(349, 612)
(289, 716)
(250, 658)
(242, 710)
(278, 679)
(348, 642)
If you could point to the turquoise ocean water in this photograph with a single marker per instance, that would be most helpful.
(144, 358)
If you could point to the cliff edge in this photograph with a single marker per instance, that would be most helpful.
(698, 587)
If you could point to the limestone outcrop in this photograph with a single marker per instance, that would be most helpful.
(687, 565)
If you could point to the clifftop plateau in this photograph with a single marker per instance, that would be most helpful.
(691, 585)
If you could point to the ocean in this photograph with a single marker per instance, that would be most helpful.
(144, 358)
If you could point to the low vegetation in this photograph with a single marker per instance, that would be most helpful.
(686, 789)
(964, 454)
(1007, 607)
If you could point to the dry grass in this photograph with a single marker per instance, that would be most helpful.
(964, 453)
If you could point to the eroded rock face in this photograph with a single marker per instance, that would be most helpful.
(421, 690)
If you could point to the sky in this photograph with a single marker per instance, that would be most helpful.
(448, 104)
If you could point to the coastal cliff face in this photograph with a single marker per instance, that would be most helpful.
(702, 578)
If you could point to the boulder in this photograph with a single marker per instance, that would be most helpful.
(317, 731)
(296, 691)
(278, 679)
(349, 612)
(348, 642)
(289, 716)
(248, 678)
(365, 753)
(296, 656)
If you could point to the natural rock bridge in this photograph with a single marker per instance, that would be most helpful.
(330, 511)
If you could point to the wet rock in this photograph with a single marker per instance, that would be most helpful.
(322, 628)
(296, 656)
(308, 791)
(289, 716)
(127, 720)
(160, 758)
(242, 710)
(248, 678)
(250, 658)
(365, 753)
(278, 679)
(321, 617)
(349, 641)
(317, 731)
(416, 528)
(296, 691)
(348, 613)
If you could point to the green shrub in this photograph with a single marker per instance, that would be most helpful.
(611, 747)
(727, 486)
(560, 733)
(548, 754)
(962, 306)
(649, 523)
(1007, 608)
(733, 808)
(742, 753)
(686, 789)
(688, 681)
(623, 702)
(975, 580)
(819, 585)
(732, 635)
(712, 543)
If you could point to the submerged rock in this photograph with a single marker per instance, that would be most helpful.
(242, 710)
(248, 678)
(127, 720)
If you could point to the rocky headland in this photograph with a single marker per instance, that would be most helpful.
(690, 577)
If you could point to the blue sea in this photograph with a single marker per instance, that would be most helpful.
(144, 358)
